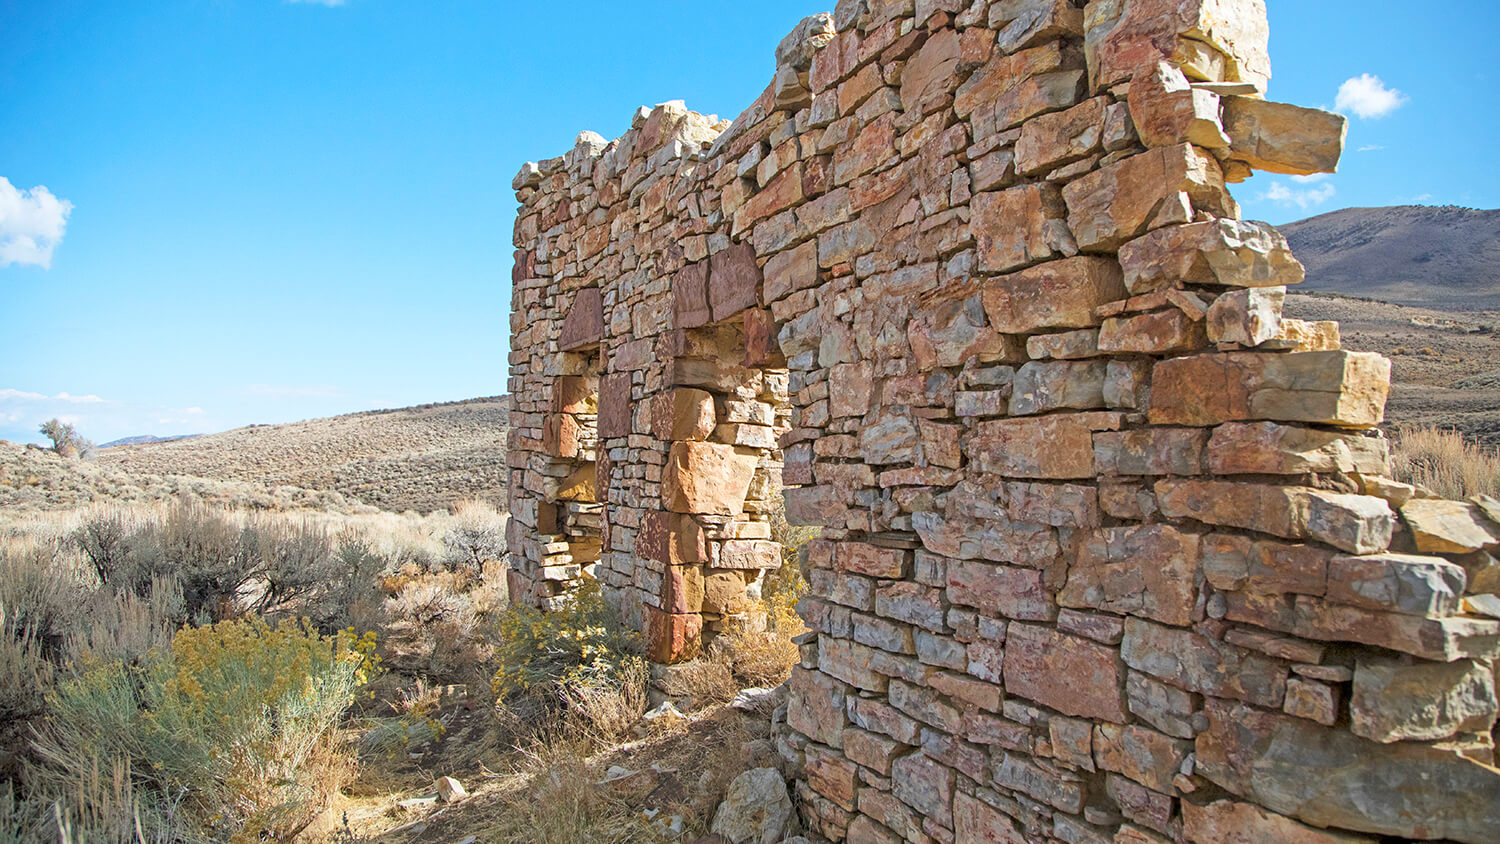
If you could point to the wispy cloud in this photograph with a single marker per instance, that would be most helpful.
(1423, 197)
(1310, 178)
(293, 391)
(1366, 96)
(31, 224)
(23, 395)
(1303, 198)
(318, 2)
(1370, 148)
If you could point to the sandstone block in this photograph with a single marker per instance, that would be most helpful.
(584, 324)
(682, 589)
(671, 538)
(1155, 333)
(1023, 23)
(1248, 317)
(1312, 700)
(1336, 388)
(1403, 583)
(1449, 527)
(1266, 448)
(929, 76)
(1058, 294)
(1108, 573)
(1020, 226)
(975, 822)
(1072, 675)
(749, 554)
(615, 407)
(1233, 253)
(816, 706)
(1012, 592)
(682, 414)
(948, 328)
(1143, 755)
(1168, 111)
(1282, 138)
(1329, 777)
(924, 785)
(1229, 822)
(575, 394)
(672, 637)
(1129, 198)
(690, 307)
(707, 478)
(734, 280)
(1223, 40)
(1421, 701)
(1039, 387)
(1150, 451)
(1162, 706)
(999, 540)
(1058, 447)
(1197, 663)
(1052, 140)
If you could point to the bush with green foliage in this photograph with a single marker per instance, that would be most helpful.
(65, 438)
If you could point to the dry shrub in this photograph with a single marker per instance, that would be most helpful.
(557, 800)
(1446, 463)
(436, 623)
(602, 711)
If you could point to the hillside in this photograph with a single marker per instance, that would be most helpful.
(420, 458)
(1438, 257)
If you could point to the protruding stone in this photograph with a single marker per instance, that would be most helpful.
(1336, 388)
(1233, 253)
(1268, 448)
(1229, 822)
(1213, 40)
(1449, 527)
(1020, 226)
(682, 413)
(1403, 583)
(1247, 317)
(1282, 138)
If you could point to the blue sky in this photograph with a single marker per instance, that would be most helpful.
(219, 212)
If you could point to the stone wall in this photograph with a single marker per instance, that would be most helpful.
(1109, 553)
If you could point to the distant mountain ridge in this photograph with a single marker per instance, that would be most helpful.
(147, 438)
(1435, 256)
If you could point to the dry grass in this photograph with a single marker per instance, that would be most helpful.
(423, 458)
(1446, 463)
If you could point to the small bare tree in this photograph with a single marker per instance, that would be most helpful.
(65, 438)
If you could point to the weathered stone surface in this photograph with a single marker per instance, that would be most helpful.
(1421, 701)
(1355, 523)
(584, 325)
(1072, 675)
(614, 405)
(1266, 448)
(706, 478)
(1336, 388)
(974, 822)
(1150, 451)
(1218, 40)
(816, 706)
(1051, 140)
(928, 76)
(1329, 777)
(949, 328)
(756, 809)
(1040, 387)
(1058, 294)
(1058, 447)
(1021, 226)
(1154, 333)
(999, 540)
(1449, 527)
(1114, 205)
(1233, 253)
(682, 414)
(924, 785)
(1247, 317)
(1143, 755)
(1197, 663)
(1282, 138)
(1403, 583)
(1168, 111)
(1164, 707)
(1108, 575)
(672, 637)
(734, 280)
(1230, 822)
(1009, 591)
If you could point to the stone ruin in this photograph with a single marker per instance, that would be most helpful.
(1108, 552)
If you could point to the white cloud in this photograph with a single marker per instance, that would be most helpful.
(1309, 179)
(31, 224)
(1366, 96)
(1303, 198)
(318, 2)
(22, 395)
(1370, 148)
(1424, 197)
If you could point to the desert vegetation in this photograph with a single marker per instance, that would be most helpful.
(187, 672)
(1446, 463)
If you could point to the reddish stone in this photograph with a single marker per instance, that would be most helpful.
(1338, 388)
(560, 434)
(1108, 573)
(975, 822)
(690, 296)
(761, 349)
(1012, 592)
(584, 324)
(615, 407)
(1019, 226)
(1123, 201)
(1057, 447)
(734, 281)
(705, 477)
(672, 637)
(1072, 675)
(671, 538)
(682, 413)
(873, 560)
(683, 589)
(1057, 294)
(1228, 822)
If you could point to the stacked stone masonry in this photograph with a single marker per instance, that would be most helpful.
(1109, 553)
